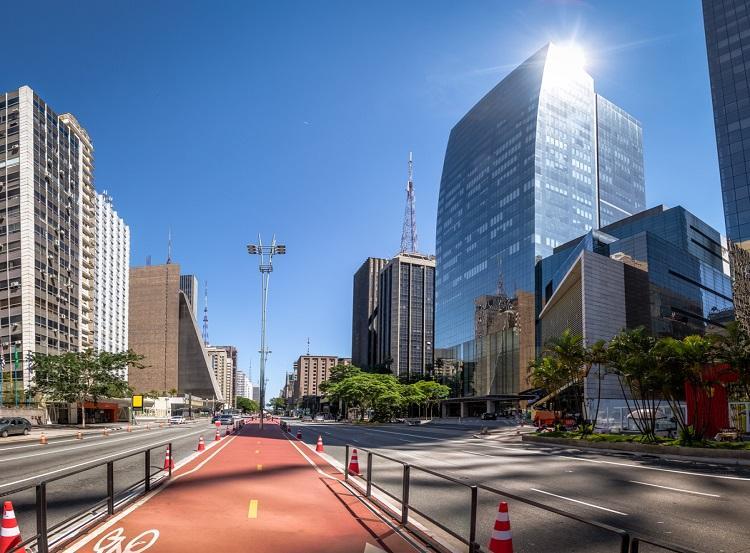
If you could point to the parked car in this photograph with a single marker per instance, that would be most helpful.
(226, 420)
(16, 425)
(489, 416)
(215, 418)
(319, 418)
(177, 419)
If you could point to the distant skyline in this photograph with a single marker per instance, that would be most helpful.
(222, 121)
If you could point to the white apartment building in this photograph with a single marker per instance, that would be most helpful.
(112, 278)
(223, 367)
(243, 386)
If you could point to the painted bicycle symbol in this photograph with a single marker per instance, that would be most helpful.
(114, 541)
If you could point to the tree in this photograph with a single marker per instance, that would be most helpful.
(380, 392)
(77, 377)
(631, 355)
(432, 393)
(339, 373)
(733, 348)
(596, 355)
(548, 373)
(247, 405)
(570, 352)
(277, 403)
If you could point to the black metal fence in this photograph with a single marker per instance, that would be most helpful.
(465, 531)
(50, 536)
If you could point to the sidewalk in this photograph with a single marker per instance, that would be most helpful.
(94, 429)
(252, 492)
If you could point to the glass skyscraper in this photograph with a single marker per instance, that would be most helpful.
(540, 160)
(727, 24)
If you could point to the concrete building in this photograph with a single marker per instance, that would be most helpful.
(365, 312)
(243, 386)
(162, 328)
(223, 368)
(43, 178)
(189, 285)
(87, 237)
(539, 160)
(112, 278)
(311, 371)
(406, 308)
(232, 352)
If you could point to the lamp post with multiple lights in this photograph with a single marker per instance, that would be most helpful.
(265, 265)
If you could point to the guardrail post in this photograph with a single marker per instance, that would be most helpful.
(634, 545)
(41, 518)
(111, 488)
(368, 491)
(148, 470)
(473, 520)
(346, 463)
(405, 495)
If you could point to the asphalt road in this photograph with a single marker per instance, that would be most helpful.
(700, 506)
(23, 463)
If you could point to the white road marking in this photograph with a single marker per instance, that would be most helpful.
(578, 501)
(93, 461)
(673, 489)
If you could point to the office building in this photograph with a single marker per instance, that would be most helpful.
(662, 269)
(406, 318)
(41, 209)
(87, 236)
(223, 368)
(161, 327)
(540, 160)
(189, 286)
(727, 27)
(365, 312)
(112, 278)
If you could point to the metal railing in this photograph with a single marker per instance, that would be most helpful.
(47, 536)
(627, 540)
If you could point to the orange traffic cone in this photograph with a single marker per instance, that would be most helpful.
(299, 434)
(201, 444)
(319, 446)
(79, 435)
(129, 428)
(501, 541)
(168, 461)
(354, 464)
(217, 437)
(43, 439)
(10, 534)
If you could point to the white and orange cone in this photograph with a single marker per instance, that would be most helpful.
(354, 464)
(201, 444)
(319, 446)
(217, 436)
(501, 541)
(168, 461)
(299, 434)
(10, 534)
(43, 439)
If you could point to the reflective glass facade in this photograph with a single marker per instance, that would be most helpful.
(520, 177)
(727, 24)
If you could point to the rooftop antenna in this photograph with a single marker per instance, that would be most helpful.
(169, 247)
(148, 260)
(308, 345)
(205, 314)
(409, 242)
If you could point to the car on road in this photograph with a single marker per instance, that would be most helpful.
(489, 416)
(226, 420)
(14, 425)
(177, 419)
(306, 418)
(319, 418)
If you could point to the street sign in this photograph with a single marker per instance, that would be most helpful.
(137, 402)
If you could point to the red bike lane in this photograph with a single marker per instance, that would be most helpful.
(255, 492)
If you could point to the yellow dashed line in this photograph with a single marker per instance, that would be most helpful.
(252, 510)
(257, 451)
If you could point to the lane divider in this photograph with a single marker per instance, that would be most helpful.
(252, 509)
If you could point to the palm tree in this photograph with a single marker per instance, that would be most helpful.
(548, 373)
(596, 354)
(733, 348)
(570, 352)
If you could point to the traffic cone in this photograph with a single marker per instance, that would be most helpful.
(299, 434)
(130, 429)
(217, 436)
(501, 541)
(201, 444)
(79, 435)
(319, 446)
(168, 461)
(10, 534)
(354, 464)
(43, 439)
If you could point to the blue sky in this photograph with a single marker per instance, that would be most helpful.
(228, 119)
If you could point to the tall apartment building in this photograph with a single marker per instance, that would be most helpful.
(112, 278)
(727, 26)
(243, 386)
(365, 312)
(87, 236)
(311, 371)
(538, 161)
(189, 285)
(223, 368)
(232, 352)
(406, 315)
(41, 212)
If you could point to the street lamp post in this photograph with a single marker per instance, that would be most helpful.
(265, 265)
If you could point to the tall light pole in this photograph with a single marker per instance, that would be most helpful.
(265, 265)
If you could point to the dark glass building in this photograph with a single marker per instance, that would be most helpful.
(727, 25)
(365, 312)
(540, 160)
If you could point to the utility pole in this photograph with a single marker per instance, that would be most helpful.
(265, 266)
